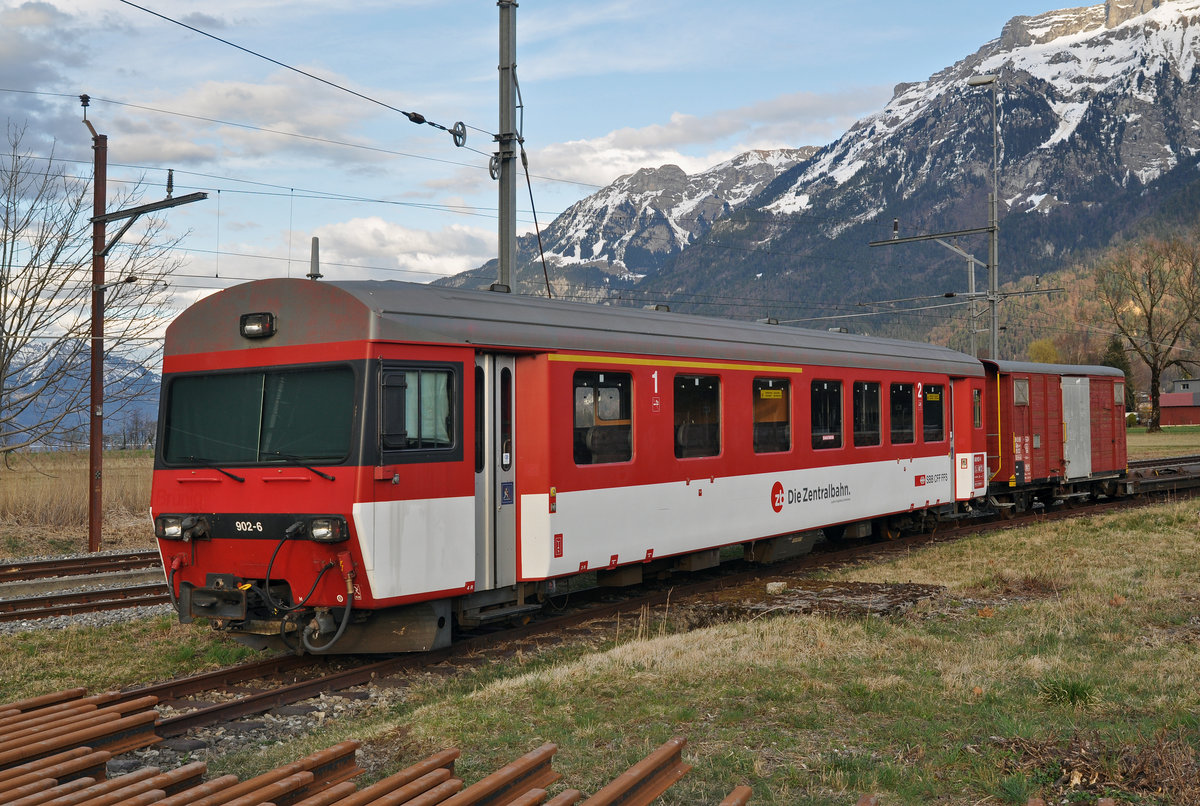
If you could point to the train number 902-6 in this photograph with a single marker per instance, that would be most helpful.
(248, 526)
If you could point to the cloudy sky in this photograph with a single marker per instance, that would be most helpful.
(607, 88)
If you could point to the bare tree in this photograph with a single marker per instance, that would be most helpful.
(1151, 289)
(45, 297)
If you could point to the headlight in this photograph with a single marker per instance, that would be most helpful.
(169, 527)
(180, 527)
(327, 530)
(259, 325)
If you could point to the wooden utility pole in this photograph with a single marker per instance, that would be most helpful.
(96, 404)
(100, 249)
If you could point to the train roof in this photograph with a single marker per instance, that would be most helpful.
(310, 312)
(1008, 367)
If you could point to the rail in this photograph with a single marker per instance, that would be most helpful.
(66, 765)
(1164, 460)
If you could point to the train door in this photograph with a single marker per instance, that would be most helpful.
(968, 443)
(1077, 427)
(1023, 392)
(495, 472)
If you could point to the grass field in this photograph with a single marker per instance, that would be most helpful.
(1174, 440)
(1060, 661)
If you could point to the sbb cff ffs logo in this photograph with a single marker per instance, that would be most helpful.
(926, 479)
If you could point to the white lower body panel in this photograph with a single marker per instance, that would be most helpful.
(414, 547)
(971, 476)
(606, 527)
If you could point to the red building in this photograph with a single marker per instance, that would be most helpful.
(1181, 406)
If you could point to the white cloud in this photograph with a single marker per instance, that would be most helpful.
(380, 244)
(37, 43)
(696, 142)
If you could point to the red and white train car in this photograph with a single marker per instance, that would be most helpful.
(356, 466)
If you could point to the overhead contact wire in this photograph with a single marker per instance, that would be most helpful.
(458, 132)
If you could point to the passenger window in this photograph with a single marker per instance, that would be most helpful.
(902, 414)
(934, 417)
(1119, 393)
(603, 418)
(772, 415)
(506, 419)
(419, 409)
(826, 414)
(977, 407)
(866, 413)
(697, 416)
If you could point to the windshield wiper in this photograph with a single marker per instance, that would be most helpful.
(213, 465)
(300, 463)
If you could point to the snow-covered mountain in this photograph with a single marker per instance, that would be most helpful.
(635, 225)
(1111, 81)
(1099, 133)
(645, 217)
(49, 397)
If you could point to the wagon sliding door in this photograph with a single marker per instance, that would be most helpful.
(495, 472)
(1077, 427)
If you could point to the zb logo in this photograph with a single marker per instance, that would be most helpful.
(777, 497)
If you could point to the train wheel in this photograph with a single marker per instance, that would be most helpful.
(1010, 512)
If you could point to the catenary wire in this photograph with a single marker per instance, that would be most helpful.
(455, 131)
(308, 137)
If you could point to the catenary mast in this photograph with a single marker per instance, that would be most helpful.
(504, 160)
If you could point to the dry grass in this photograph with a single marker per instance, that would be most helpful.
(1060, 648)
(43, 502)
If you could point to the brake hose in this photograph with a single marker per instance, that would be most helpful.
(171, 586)
(283, 624)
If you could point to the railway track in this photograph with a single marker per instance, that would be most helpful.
(28, 608)
(1166, 461)
(74, 585)
(291, 679)
(79, 566)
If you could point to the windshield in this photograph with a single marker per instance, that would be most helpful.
(262, 416)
